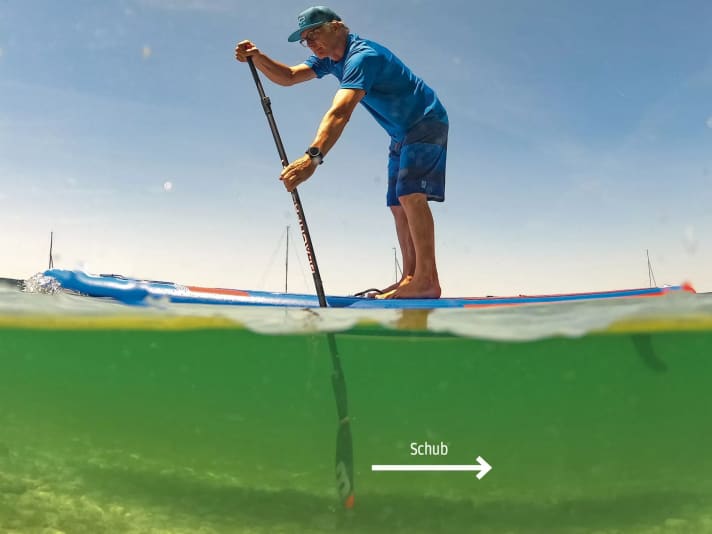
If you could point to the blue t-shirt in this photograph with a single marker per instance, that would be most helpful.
(397, 98)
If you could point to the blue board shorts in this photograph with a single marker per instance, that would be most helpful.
(416, 164)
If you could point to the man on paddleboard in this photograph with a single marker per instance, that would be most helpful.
(402, 103)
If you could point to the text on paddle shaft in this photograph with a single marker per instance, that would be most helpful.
(305, 233)
(428, 449)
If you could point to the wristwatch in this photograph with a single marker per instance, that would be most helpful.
(314, 152)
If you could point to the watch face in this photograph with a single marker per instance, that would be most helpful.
(314, 151)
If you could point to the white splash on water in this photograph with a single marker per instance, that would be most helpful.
(40, 283)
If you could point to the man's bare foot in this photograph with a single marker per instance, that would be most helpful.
(416, 289)
(385, 293)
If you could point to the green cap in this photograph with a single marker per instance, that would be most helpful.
(311, 18)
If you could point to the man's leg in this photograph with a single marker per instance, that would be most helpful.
(404, 240)
(421, 234)
(407, 251)
(416, 173)
(406, 248)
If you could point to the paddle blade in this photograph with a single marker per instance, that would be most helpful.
(345, 464)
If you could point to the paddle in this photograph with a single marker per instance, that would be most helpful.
(344, 447)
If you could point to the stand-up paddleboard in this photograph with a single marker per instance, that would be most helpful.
(142, 292)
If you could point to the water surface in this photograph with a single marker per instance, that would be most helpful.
(594, 417)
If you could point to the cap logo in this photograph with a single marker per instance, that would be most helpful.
(301, 19)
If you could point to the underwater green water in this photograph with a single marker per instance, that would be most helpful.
(226, 430)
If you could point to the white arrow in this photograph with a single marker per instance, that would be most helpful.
(481, 468)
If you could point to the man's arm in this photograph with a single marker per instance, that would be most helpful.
(282, 74)
(330, 129)
(335, 120)
(279, 73)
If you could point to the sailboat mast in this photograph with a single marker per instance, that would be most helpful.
(397, 267)
(51, 243)
(286, 263)
(395, 264)
(651, 276)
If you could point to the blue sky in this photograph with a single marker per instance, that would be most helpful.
(581, 135)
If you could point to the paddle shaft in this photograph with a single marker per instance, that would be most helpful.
(267, 106)
(344, 449)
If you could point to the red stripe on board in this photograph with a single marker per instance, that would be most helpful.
(529, 299)
(659, 289)
(501, 305)
(218, 291)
